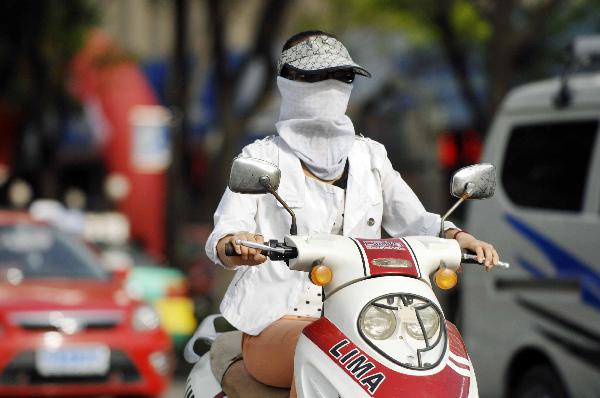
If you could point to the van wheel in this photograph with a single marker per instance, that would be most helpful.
(540, 381)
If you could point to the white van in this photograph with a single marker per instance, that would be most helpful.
(534, 330)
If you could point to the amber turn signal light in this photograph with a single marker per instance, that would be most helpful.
(321, 275)
(445, 278)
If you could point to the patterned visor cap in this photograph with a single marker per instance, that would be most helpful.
(319, 53)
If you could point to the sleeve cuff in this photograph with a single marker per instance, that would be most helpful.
(449, 225)
(211, 251)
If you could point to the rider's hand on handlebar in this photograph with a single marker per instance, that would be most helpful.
(486, 253)
(247, 255)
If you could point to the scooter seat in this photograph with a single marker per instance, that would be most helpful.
(226, 350)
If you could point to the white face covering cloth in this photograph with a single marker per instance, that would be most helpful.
(313, 122)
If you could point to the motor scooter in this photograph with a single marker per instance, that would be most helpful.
(382, 332)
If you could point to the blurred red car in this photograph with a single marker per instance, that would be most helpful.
(66, 326)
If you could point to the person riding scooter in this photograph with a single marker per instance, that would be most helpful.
(336, 181)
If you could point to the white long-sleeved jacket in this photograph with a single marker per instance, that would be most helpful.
(376, 196)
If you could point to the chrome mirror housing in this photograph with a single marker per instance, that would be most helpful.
(474, 182)
(254, 176)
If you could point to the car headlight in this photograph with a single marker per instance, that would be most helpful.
(145, 318)
(430, 320)
(378, 323)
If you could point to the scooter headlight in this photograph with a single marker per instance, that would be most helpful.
(407, 329)
(430, 321)
(378, 323)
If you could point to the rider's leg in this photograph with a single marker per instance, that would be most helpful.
(269, 356)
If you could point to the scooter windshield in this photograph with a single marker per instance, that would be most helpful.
(407, 329)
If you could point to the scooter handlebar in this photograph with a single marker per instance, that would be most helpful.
(472, 259)
(275, 250)
(230, 250)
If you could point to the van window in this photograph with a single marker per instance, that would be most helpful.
(546, 165)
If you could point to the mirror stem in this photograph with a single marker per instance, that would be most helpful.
(264, 181)
(468, 191)
(458, 202)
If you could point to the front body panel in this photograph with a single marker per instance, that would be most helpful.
(332, 358)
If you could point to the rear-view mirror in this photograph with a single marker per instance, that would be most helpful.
(250, 175)
(474, 182)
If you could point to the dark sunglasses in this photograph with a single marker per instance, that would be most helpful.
(343, 75)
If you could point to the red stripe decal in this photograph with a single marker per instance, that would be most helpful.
(460, 364)
(377, 379)
(389, 256)
(455, 341)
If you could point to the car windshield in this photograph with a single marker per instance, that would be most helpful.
(37, 252)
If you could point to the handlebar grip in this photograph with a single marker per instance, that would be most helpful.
(229, 250)
(470, 260)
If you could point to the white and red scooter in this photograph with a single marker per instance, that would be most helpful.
(382, 332)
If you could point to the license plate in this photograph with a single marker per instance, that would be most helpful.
(73, 361)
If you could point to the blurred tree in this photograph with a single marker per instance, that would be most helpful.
(518, 38)
(37, 39)
(233, 115)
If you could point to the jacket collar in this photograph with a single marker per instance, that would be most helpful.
(362, 190)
